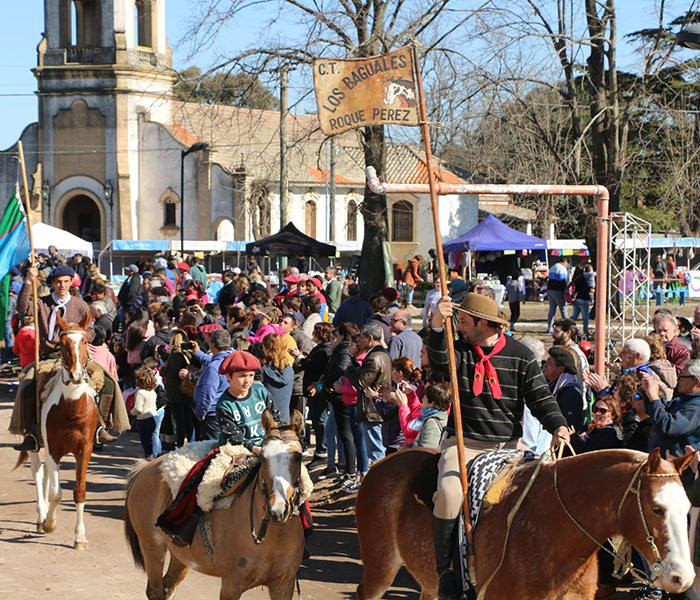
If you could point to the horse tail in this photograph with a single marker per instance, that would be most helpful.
(129, 531)
(23, 458)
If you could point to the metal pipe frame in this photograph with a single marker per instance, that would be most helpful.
(598, 191)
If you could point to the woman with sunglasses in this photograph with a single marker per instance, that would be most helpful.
(604, 431)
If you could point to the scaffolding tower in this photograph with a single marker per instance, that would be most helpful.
(630, 284)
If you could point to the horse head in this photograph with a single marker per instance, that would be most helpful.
(658, 525)
(74, 348)
(281, 467)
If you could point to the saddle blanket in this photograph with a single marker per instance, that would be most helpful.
(487, 475)
(178, 463)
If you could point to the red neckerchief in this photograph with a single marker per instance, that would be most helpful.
(484, 366)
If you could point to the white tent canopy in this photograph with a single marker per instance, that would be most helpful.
(66, 243)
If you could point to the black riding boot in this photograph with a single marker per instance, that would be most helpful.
(444, 538)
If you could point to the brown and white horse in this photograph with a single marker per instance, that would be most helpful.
(68, 423)
(547, 555)
(237, 553)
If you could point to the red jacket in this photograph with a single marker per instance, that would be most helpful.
(24, 345)
(411, 275)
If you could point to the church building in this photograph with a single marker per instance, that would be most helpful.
(106, 158)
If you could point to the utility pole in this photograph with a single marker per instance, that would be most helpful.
(284, 167)
(331, 200)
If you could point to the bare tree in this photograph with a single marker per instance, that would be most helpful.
(342, 29)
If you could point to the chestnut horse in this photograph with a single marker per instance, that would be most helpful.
(242, 558)
(547, 555)
(68, 423)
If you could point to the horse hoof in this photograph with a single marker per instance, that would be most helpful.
(46, 528)
(40, 527)
(80, 545)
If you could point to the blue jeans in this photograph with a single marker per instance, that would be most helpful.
(359, 438)
(373, 441)
(319, 418)
(556, 299)
(146, 428)
(157, 446)
(583, 308)
(332, 440)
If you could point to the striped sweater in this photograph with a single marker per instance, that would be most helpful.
(521, 379)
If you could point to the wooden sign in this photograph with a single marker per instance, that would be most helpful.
(379, 90)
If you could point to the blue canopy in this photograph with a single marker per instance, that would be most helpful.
(492, 235)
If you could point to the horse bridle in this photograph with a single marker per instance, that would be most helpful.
(259, 537)
(634, 487)
(65, 366)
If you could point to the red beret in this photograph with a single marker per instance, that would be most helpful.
(210, 327)
(239, 361)
(292, 279)
(183, 266)
(391, 294)
(316, 281)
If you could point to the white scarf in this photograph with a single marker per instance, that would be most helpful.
(60, 304)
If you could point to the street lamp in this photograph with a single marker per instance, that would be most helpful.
(108, 189)
(196, 147)
(46, 197)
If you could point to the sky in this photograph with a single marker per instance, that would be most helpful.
(18, 104)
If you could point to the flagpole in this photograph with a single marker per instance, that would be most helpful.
(449, 339)
(32, 260)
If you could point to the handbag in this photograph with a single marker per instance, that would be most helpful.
(187, 385)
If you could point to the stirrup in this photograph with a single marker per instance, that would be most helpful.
(28, 444)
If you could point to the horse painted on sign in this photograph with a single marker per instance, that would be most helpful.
(547, 555)
(236, 551)
(68, 423)
(399, 89)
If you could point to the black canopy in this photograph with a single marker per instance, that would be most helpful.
(289, 241)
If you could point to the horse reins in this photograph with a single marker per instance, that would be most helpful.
(63, 360)
(634, 487)
(259, 537)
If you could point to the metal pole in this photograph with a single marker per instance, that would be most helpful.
(331, 198)
(451, 359)
(182, 203)
(32, 259)
(602, 198)
(284, 166)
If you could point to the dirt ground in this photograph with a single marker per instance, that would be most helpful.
(34, 566)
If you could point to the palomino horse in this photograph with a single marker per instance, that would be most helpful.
(68, 423)
(237, 553)
(547, 555)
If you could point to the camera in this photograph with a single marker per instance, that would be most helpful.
(187, 346)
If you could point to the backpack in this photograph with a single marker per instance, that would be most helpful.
(570, 293)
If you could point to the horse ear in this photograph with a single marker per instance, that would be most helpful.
(268, 421)
(62, 324)
(297, 422)
(85, 323)
(681, 463)
(654, 461)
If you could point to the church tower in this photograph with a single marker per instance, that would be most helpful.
(103, 67)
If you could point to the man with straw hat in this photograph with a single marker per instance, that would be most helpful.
(496, 375)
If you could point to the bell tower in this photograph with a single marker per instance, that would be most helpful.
(103, 67)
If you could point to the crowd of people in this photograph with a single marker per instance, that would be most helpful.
(194, 364)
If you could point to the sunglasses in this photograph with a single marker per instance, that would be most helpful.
(599, 410)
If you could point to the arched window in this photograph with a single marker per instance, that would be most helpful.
(310, 218)
(169, 214)
(351, 227)
(143, 23)
(402, 221)
(224, 232)
(260, 209)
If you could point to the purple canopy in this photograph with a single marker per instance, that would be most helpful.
(492, 235)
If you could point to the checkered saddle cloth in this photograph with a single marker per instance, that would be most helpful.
(481, 472)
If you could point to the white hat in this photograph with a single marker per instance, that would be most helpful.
(161, 263)
(236, 271)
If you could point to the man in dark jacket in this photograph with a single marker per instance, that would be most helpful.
(560, 372)
(161, 323)
(228, 293)
(354, 309)
(211, 384)
(131, 292)
(374, 373)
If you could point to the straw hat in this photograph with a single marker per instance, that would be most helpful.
(481, 307)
